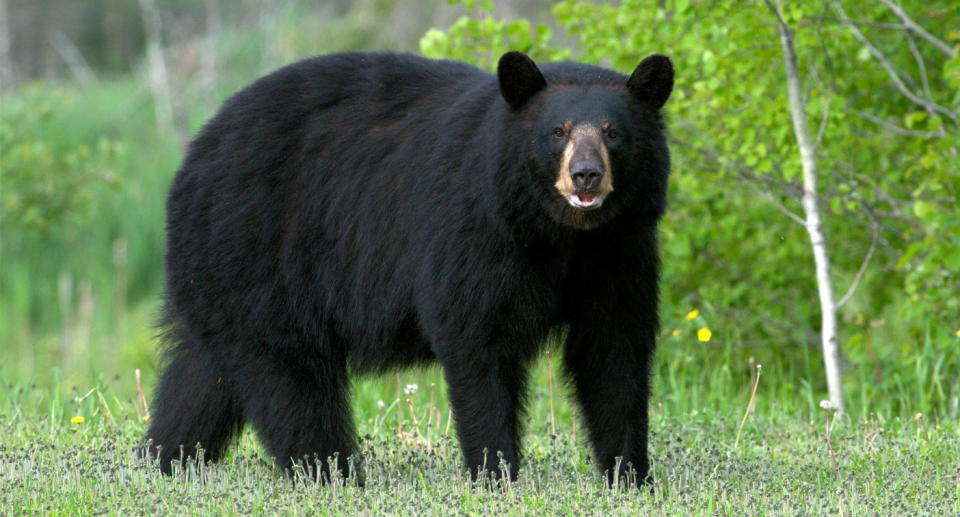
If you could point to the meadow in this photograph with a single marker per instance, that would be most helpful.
(770, 461)
(85, 166)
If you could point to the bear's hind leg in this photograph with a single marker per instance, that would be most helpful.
(298, 405)
(193, 405)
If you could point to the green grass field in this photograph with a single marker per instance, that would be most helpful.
(782, 465)
(84, 171)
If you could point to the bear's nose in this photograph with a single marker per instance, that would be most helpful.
(586, 175)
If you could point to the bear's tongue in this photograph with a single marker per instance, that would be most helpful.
(585, 200)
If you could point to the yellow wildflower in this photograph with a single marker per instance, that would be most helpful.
(958, 333)
(693, 314)
(146, 418)
(77, 419)
(704, 334)
(675, 333)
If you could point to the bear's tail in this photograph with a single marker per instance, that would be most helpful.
(195, 412)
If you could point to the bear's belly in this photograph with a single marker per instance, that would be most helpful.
(400, 345)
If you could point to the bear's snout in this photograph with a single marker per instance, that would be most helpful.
(584, 178)
(586, 175)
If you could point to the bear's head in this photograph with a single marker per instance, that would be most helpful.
(594, 137)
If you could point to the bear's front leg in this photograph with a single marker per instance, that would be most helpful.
(608, 354)
(611, 378)
(612, 312)
(485, 391)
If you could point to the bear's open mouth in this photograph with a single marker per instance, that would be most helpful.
(585, 201)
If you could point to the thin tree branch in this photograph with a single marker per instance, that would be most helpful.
(867, 23)
(922, 67)
(897, 80)
(780, 206)
(775, 9)
(866, 182)
(752, 179)
(72, 56)
(747, 173)
(894, 203)
(920, 31)
(833, 82)
(895, 128)
(881, 226)
(823, 121)
(863, 267)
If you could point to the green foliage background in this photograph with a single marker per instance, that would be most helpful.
(84, 173)
(727, 248)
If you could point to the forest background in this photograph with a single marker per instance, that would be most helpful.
(100, 97)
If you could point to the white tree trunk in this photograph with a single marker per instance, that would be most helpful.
(811, 209)
(7, 76)
(208, 68)
(157, 67)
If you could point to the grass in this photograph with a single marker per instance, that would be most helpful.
(711, 455)
(781, 465)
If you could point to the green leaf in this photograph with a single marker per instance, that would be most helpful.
(908, 255)
(923, 209)
(912, 118)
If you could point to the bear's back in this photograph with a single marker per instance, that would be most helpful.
(299, 172)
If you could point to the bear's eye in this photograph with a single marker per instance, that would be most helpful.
(559, 132)
(612, 134)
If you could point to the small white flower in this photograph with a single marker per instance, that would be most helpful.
(410, 389)
(826, 404)
(380, 404)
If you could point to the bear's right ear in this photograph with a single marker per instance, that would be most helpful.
(652, 81)
(519, 78)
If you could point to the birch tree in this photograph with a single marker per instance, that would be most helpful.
(811, 210)
(157, 67)
(7, 76)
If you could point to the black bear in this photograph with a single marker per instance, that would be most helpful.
(368, 211)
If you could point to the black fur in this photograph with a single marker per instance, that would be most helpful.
(519, 78)
(652, 81)
(383, 210)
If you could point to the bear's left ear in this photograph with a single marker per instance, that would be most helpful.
(519, 78)
(652, 81)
